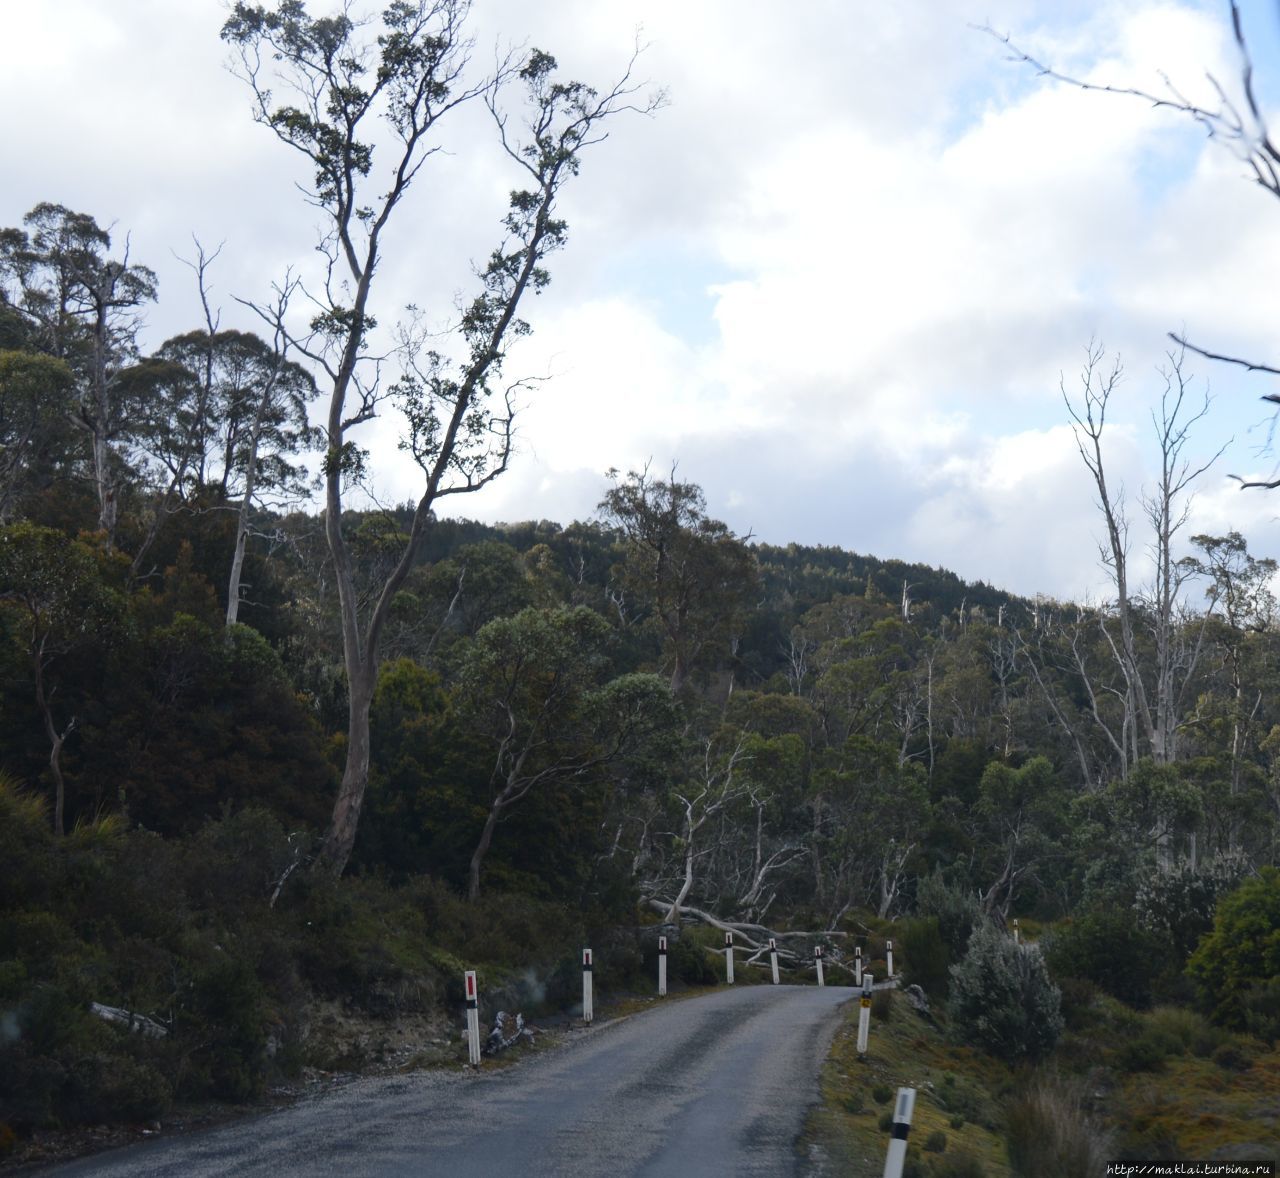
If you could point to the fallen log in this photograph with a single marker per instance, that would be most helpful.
(138, 1023)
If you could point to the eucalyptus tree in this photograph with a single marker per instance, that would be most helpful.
(53, 604)
(323, 85)
(538, 687)
(35, 408)
(686, 572)
(81, 305)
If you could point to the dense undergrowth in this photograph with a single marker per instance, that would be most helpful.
(183, 932)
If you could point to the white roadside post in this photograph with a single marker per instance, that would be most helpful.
(728, 958)
(897, 1154)
(817, 960)
(864, 1013)
(888, 958)
(857, 965)
(1017, 932)
(588, 1012)
(662, 967)
(473, 1018)
(773, 959)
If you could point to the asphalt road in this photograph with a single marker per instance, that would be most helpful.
(718, 1085)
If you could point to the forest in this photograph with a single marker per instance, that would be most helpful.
(261, 748)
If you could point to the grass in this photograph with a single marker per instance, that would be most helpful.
(953, 1084)
(1213, 1095)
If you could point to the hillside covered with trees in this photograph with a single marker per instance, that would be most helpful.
(264, 747)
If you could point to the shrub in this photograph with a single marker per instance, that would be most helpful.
(882, 1005)
(882, 1094)
(960, 1164)
(885, 1122)
(690, 961)
(936, 1142)
(1178, 905)
(1242, 951)
(965, 1102)
(1111, 949)
(1232, 1057)
(1002, 999)
(957, 1123)
(925, 956)
(1144, 1054)
(1260, 1003)
(1049, 1135)
(955, 909)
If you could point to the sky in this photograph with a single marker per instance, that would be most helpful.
(838, 281)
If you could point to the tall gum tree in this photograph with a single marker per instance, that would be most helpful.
(323, 85)
(82, 305)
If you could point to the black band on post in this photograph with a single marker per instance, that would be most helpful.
(900, 1131)
(472, 1004)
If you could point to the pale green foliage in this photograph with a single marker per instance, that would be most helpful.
(956, 910)
(1002, 999)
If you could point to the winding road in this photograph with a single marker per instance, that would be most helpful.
(717, 1085)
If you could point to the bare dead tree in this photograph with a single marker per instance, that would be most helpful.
(1238, 124)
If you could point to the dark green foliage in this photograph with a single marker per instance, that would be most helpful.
(955, 909)
(1002, 999)
(925, 955)
(958, 1164)
(1232, 1058)
(882, 1094)
(965, 1101)
(1242, 952)
(1110, 948)
(935, 1142)
(1178, 905)
(1260, 1003)
(690, 959)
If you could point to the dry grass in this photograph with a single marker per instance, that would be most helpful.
(1051, 1135)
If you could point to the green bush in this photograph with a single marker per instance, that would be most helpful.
(1232, 1057)
(1002, 999)
(226, 1021)
(956, 910)
(1242, 952)
(925, 956)
(936, 1142)
(882, 1005)
(1147, 1053)
(1178, 905)
(882, 1094)
(1260, 1003)
(689, 960)
(964, 1101)
(960, 1164)
(1111, 949)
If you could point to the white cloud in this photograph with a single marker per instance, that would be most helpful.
(837, 279)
